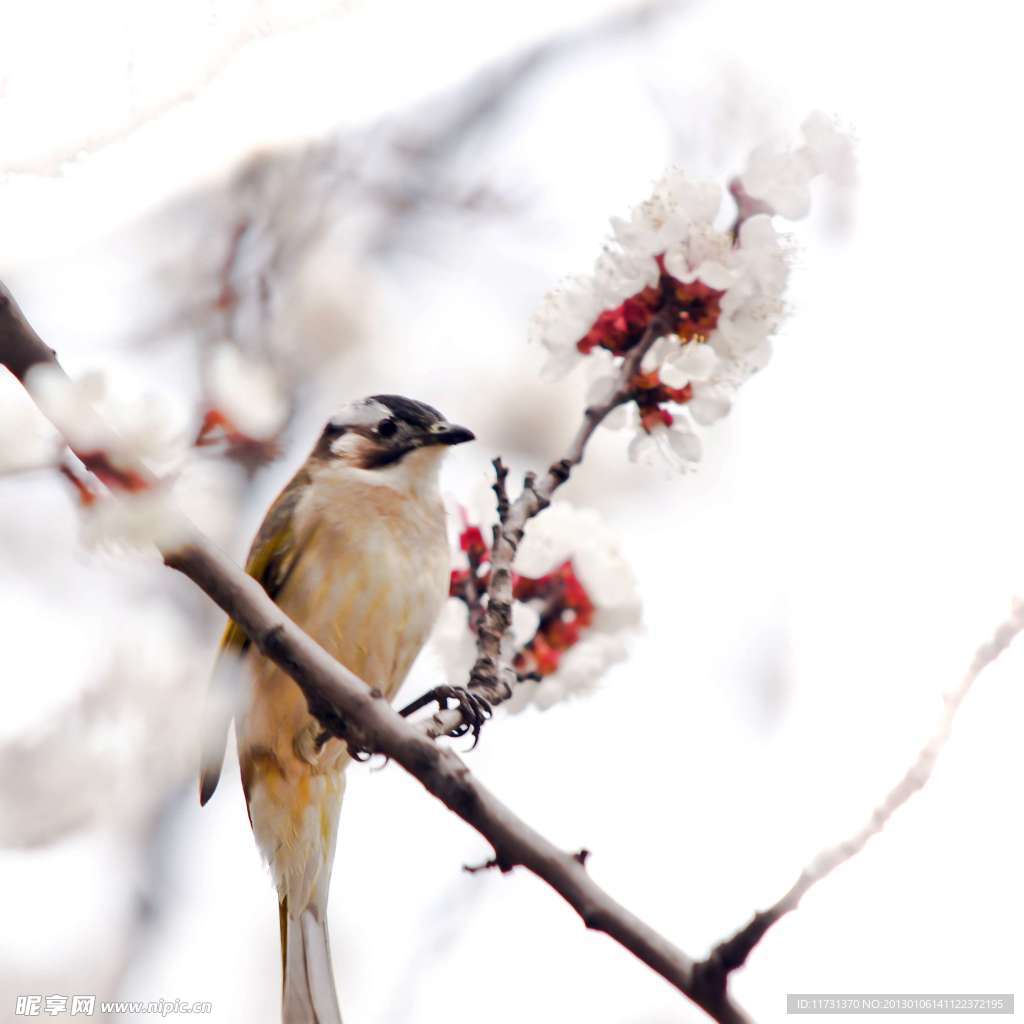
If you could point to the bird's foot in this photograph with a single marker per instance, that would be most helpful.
(475, 710)
(308, 742)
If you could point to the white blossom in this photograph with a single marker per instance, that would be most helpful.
(676, 203)
(453, 642)
(626, 265)
(579, 672)
(830, 149)
(620, 273)
(712, 400)
(761, 254)
(246, 391)
(563, 318)
(781, 176)
(705, 254)
(688, 364)
(603, 377)
(679, 445)
(750, 310)
(730, 288)
(565, 532)
(658, 353)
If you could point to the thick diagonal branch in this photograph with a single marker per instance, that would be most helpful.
(345, 705)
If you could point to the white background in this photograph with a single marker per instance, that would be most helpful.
(852, 536)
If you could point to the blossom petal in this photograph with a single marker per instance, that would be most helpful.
(709, 404)
(696, 361)
(685, 445)
(715, 275)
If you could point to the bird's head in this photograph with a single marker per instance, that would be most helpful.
(396, 439)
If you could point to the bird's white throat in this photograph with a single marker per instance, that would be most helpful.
(416, 474)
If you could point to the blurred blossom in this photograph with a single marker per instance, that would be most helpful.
(246, 391)
(781, 176)
(124, 742)
(209, 491)
(129, 428)
(139, 520)
(27, 439)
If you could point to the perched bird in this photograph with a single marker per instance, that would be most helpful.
(355, 550)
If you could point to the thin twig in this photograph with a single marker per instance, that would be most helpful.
(492, 675)
(732, 953)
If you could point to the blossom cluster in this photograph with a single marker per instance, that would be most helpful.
(110, 431)
(123, 443)
(245, 408)
(575, 604)
(140, 446)
(702, 298)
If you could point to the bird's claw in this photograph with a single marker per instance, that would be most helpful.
(475, 709)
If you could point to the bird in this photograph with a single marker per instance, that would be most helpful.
(355, 550)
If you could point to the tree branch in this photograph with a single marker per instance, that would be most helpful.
(347, 707)
(712, 973)
(21, 348)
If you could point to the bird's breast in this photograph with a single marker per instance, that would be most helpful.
(372, 582)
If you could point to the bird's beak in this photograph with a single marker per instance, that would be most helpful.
(449, 434)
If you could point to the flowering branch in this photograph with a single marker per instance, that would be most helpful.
(732, 953)
(493, 675)
(682, 312)
(358, 714)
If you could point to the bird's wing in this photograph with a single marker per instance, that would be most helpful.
(272, 558)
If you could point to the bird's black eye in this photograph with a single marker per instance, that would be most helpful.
(387, 428)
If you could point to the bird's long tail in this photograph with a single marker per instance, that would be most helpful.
(309, 995)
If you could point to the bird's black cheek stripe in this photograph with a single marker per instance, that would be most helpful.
(379, 459)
